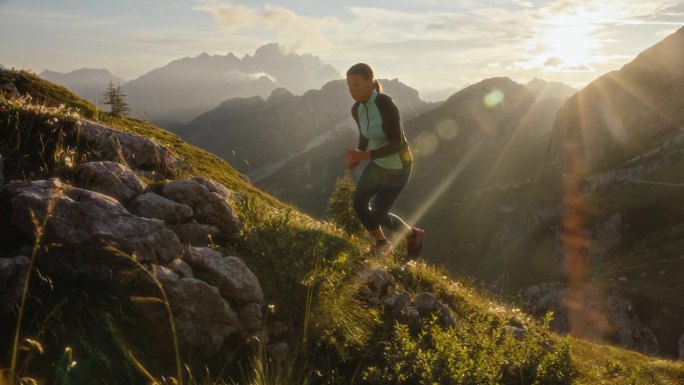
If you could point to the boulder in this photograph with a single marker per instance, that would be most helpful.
(251, 316)
(204, 320)
(9, 91)
(425, 303)
(411, 317)
(83, 220)
(446, 314)
(377, 280)
(209, 201)
(181, 268)
(110, 178)
(134, 150)
(151, 205)
(234, 279)
(395, 304)
(193, 233)
(12, 274)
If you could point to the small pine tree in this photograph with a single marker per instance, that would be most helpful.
(340, 208)
(115, 99)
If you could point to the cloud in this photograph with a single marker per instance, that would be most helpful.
(229, 17)
(235, 76)
(298, 33)
(552, 64)
(293, 31)
(73, 19)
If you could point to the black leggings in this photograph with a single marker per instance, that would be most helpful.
(384, 186)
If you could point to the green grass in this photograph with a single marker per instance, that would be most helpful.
(311, 273)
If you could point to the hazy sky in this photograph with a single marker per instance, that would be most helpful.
(430, 45)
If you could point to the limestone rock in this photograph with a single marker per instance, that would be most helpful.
(151, 205)
(209, 201)
(378, 280)
(134, 150)
(235, 280)
(9, 90)
(193, 233)
(410, 316)
(251, 316)
(110, 178)
(425, 303)
(82, 220)
(181, 268)
(12, 274)
(446, 314)
(204, 320)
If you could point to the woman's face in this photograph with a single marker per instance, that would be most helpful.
(359, 88)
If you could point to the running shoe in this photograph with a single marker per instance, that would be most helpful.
(414, 242)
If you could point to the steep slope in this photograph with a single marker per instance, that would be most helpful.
(356, 319)
(622, 113)
(185, 88)
(619, 143)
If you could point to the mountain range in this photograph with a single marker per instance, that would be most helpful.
(188, 87)
(88, 83)
(176, 93)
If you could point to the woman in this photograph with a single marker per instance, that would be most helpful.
(383, 144)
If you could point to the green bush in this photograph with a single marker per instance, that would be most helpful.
(479, 351)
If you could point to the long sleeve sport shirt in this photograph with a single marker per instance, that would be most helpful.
(381, 132)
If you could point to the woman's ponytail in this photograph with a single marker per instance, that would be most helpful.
(366, 72)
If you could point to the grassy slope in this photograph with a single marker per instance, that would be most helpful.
(296, 256)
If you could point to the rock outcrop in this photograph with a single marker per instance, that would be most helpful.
(12, 274)
(210, 202)
(83, 220)
(134, 150)
(234, 279)
(151, 205)
(110, 178)
(611, 316)
(204, 319)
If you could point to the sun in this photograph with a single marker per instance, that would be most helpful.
(569, 41)
(571, 46)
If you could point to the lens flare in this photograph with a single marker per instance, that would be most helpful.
(447, 129)
(493, 98)
(426, 144)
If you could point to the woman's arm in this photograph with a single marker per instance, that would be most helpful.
(391, 126)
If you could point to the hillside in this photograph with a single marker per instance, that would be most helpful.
(274, 297)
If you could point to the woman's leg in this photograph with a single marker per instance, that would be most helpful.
(366, 188)
(385, 197)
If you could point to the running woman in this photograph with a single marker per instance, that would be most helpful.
(383, 144)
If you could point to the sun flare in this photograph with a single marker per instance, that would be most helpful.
(569, 46)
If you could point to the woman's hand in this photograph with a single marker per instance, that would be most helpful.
(354, 157)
